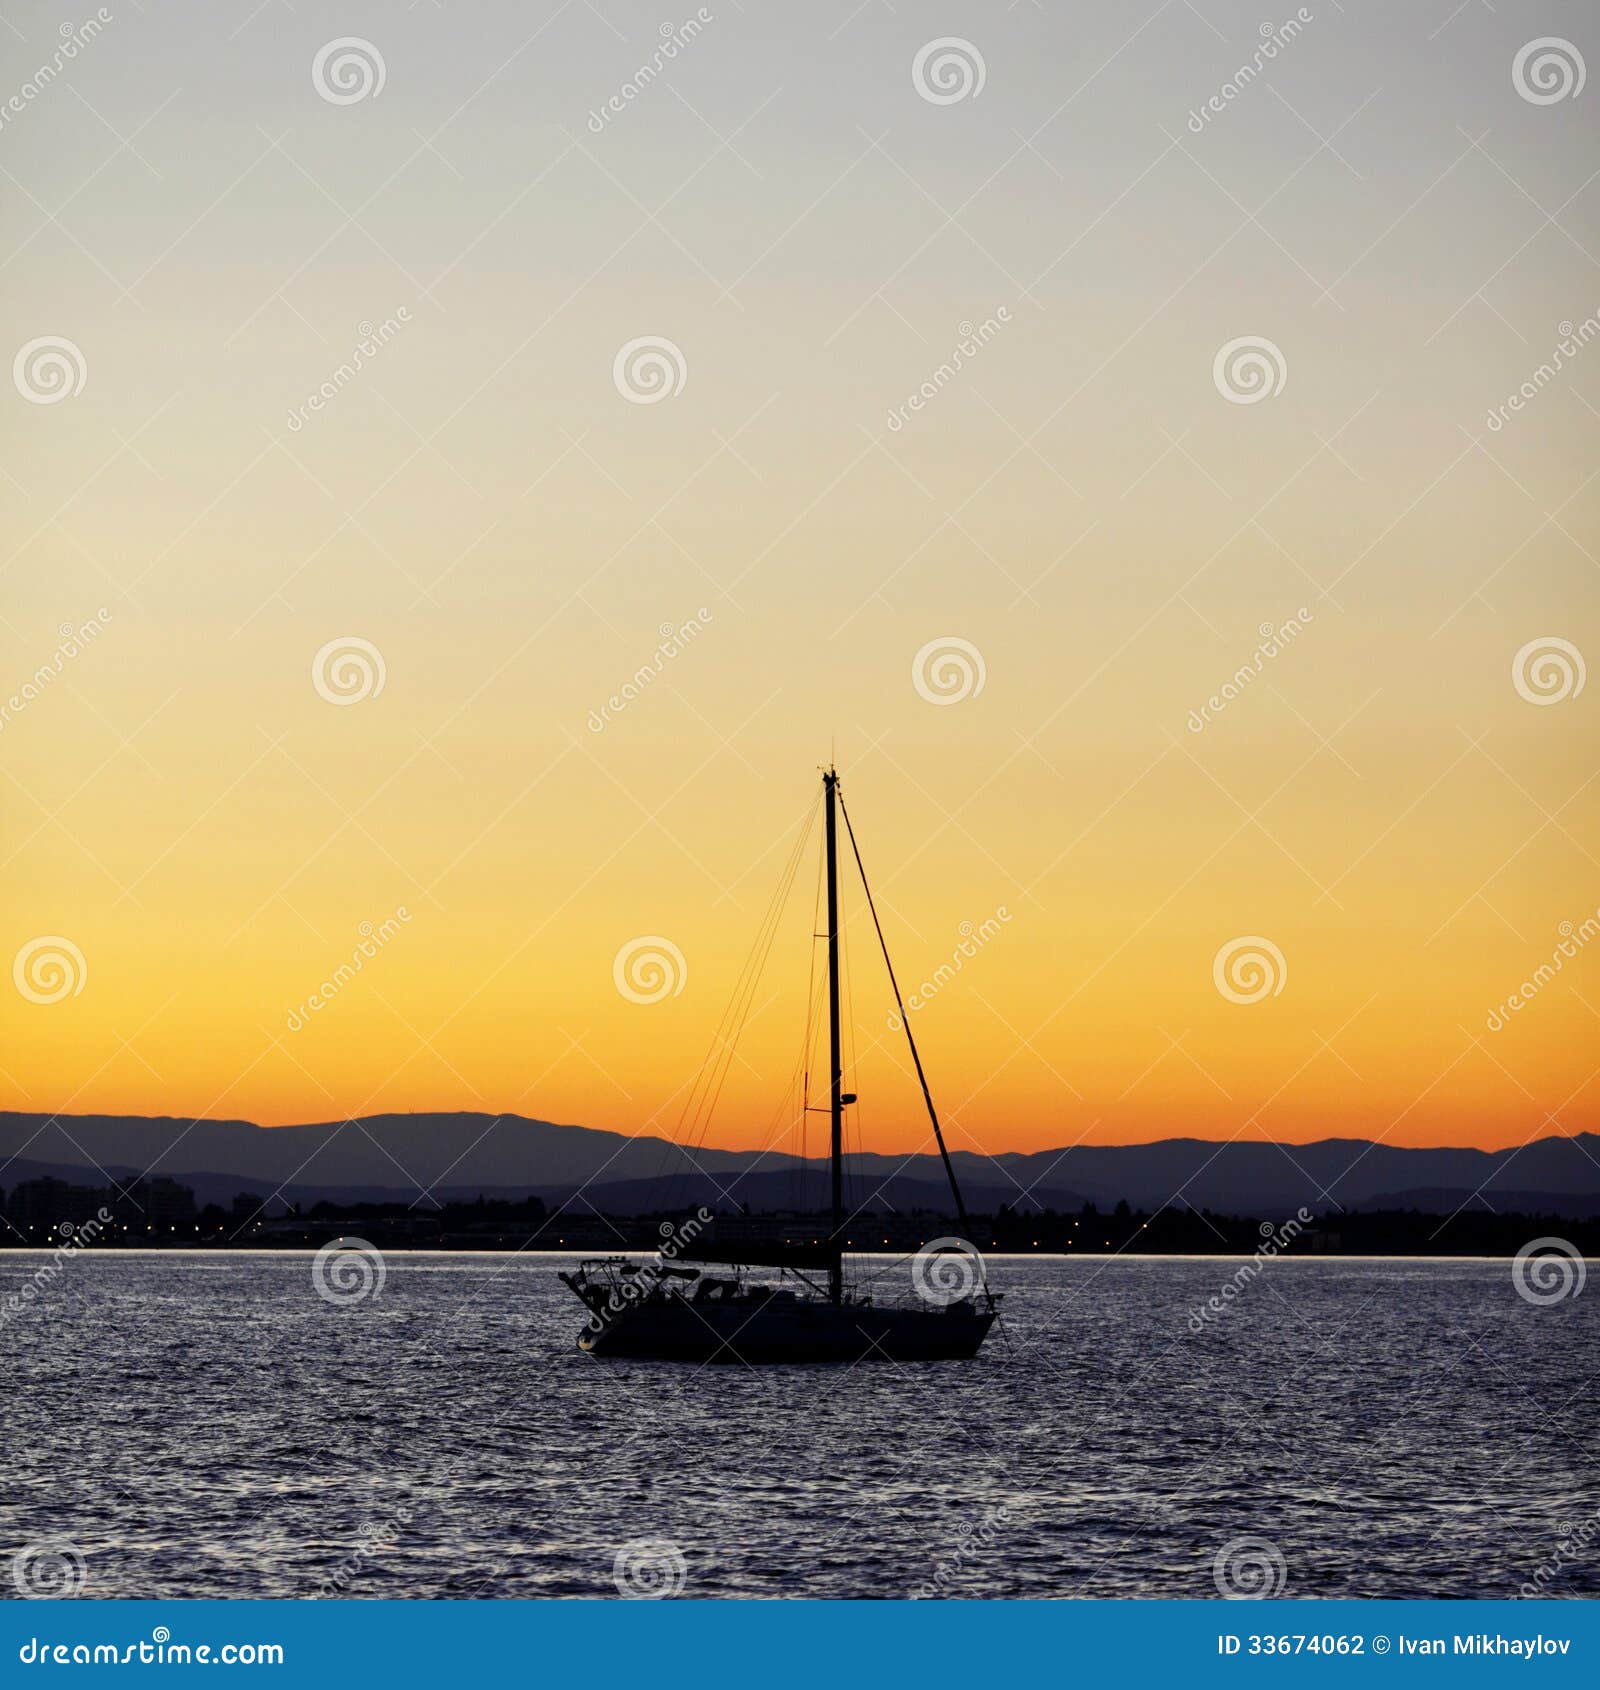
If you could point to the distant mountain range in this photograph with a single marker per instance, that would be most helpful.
(437, 1158)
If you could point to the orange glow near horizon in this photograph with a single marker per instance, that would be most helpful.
(1082, 1010)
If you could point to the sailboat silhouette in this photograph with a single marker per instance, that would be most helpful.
(667, 1312)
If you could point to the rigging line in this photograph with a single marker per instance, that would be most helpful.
(813, 1001)
(723, 1063)
(732, 1023)
(781, 1123)
(686, 1132)
(905, 1021)
(785, 1105)
(786, 1102)
(890, 1267)
(814, 1057)
(779, 906)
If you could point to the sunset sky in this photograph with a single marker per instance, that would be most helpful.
(487, 505)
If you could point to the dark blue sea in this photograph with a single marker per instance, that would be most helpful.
(221, 1424)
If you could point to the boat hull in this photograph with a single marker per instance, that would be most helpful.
(795, 1331)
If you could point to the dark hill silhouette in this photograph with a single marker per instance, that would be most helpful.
(460, 1155)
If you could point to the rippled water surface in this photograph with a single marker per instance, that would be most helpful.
(207, 1425)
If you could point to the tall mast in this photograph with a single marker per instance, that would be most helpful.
(830, 781)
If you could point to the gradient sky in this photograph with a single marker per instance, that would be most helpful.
(1080, 503)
